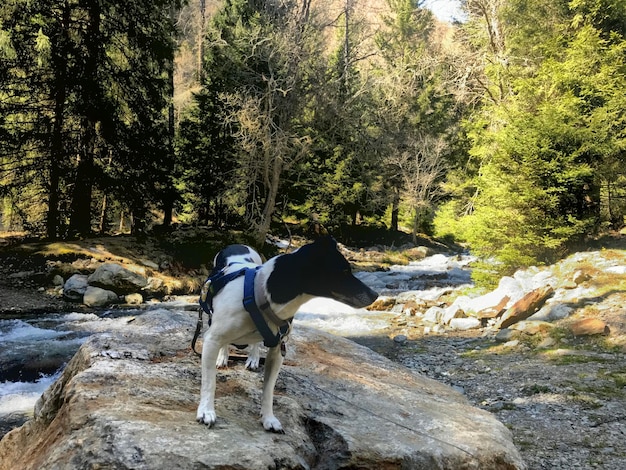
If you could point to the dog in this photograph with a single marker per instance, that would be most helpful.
(281, 286)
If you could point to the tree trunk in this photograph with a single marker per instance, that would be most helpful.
(270, 203)
(395, 209)
(103, 216)
(346, 45)
(169, 194)
(57, 152)
(80, 220)
(200, 40)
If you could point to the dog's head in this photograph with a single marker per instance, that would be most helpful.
(321, 270)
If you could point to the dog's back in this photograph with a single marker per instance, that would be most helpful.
(235, 255)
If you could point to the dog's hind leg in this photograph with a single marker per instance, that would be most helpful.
(222, 357)
(254, 356)
(206, 408)
(273, 362)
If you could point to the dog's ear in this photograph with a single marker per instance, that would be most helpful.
(326, 242)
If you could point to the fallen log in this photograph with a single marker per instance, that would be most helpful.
(525, 307)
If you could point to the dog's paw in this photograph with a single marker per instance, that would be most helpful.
(207, 417)
(222, 358)
(271, 424)
(252, 363)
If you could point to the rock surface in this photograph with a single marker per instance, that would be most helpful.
(75, 287)
(128, 400)
(116, 278)
(98, 297)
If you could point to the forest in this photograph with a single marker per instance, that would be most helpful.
(505, 132)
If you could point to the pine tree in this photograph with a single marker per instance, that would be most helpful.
(543, 148)
(84, 86)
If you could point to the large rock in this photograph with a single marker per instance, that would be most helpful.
(525, 307)
(97, 297)
(128, 400)
(75, 287)
(113, 277)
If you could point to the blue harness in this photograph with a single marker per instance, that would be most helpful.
(217, 281)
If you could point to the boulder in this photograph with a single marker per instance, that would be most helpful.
(453, 311)
(493, 311)
(525, 307)
(433, 314)
(113, 277)
(382, 304)
(133, 299)
(128, 400)
(580, 276)
(464, 323)
(155, 287)
(97, 297)
(75, 287)
(533, 327)
(553, 311)
(506, 335)
(149, 264)
(589, 326)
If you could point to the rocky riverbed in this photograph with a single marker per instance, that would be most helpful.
(562, 395)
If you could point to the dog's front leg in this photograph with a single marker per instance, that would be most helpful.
(206, 408)
(254, 356)
(273, 362)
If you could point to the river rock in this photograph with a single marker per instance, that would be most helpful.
(464, 323)
(552, 311)
(112, 276)
(589, 326)
(133, 299)
(525, 307)
(433, 314)
(505, 335)
(128, 400)
(75, 287)
(97, 297)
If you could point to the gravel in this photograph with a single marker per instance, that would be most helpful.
(565, 407)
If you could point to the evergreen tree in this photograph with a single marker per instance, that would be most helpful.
(415, 113)
(84, 84)
(543, 147)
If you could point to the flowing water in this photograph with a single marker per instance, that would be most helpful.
(33, 351)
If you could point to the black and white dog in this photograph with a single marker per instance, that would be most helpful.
(281, 286)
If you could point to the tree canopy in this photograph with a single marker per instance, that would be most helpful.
(505, 132)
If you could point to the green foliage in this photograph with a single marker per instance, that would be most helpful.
(543, 152)
(83, 93)
(512, 134)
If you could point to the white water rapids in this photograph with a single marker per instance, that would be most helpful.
(34, 350)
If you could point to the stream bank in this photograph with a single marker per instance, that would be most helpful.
(562, 396)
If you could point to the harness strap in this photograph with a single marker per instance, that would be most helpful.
(198, 330)
(249, 302)
(216, 282)
(213, 285)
